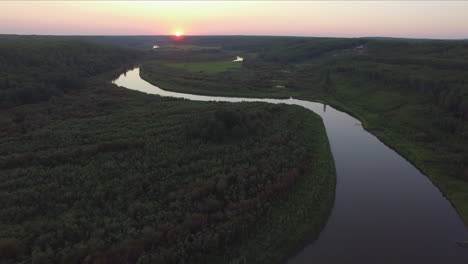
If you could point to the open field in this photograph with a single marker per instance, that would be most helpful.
(207, 67)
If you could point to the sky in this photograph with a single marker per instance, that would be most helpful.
(412, 19)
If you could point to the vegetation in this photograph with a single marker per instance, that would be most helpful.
(239, 82)
(190, 47)
(150, 178)
(31, 71)
(100, 174)
(207, 67)
(93, 173)
(134, 42)
(413, 94)
(415, 98)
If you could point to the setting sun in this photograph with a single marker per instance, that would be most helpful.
(230, 131)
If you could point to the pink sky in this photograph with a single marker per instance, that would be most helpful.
(418, 19)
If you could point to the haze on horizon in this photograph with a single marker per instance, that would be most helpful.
(410, 19)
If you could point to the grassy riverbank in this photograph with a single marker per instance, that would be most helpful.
(238, 83)
(413, 130)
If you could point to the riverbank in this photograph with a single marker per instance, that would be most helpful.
(431, 159)
(425, 159)
(298, 218)
(375, 188)
(298, 215)
(180, 80)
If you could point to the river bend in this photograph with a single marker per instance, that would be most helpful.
(385, 210)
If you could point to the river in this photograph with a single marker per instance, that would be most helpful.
(385, 210)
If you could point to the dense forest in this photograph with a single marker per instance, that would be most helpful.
(94, 173)
(413, 94)
(32, 70)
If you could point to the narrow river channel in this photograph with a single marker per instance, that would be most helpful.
(385, 210)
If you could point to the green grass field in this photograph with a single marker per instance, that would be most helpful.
(207, 67)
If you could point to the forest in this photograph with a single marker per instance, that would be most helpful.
(94, 173)
(33, 70)
(412, 94)
(91, 172)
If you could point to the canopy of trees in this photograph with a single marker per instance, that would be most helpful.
(93, 173)
(127, 178)
(32, 70)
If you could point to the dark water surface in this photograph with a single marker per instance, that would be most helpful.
(385, 210)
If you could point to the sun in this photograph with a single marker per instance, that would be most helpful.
(178, 33)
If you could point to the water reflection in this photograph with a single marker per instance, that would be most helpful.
(385, 210)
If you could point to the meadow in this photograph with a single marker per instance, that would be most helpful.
(207, 67)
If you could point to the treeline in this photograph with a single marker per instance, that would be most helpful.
(446, 85)
(178, 55)
(32, 70)
(284, 49)
(418, 89)
(304, 49)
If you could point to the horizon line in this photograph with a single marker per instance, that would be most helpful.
(228, 35)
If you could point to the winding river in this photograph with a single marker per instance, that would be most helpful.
(385, 210)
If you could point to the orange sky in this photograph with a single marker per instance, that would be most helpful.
(424, 19)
